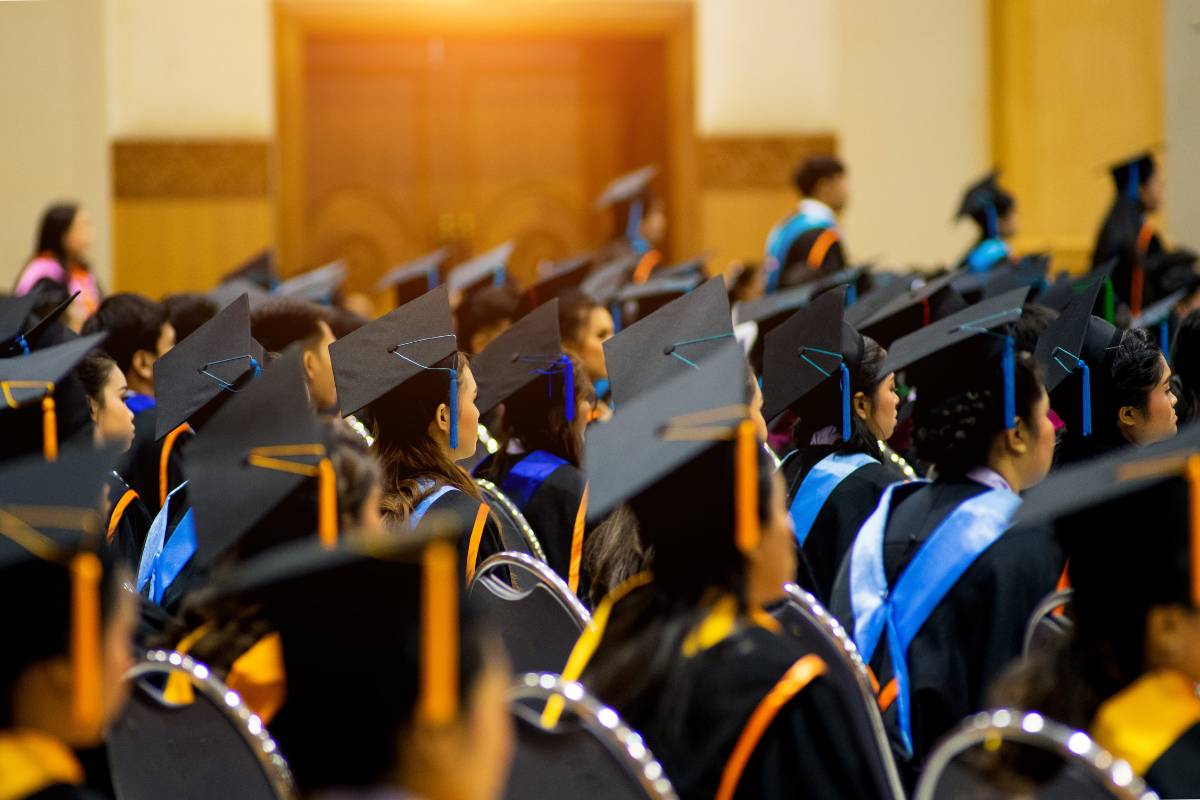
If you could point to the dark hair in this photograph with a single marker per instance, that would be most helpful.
(1185, 361)
(94, 371)
(574, 308)
(1034, 321)
(1136, 369)
(535, 416)
(52, 232)
(954, 428)
(357, 470)
(693, 556)
(343, 321)
(188, 311)
(483, 308)
(133, 322)
(612, 553)
(821, 407)
(742, 280)
(402, 441)
(814, 170)
(286, 320)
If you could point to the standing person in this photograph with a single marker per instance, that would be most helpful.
(995, 212)
(60, 263)
(641, 220)
(808, 244)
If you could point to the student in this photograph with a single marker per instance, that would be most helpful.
(1185, 362)
(60, 263)
(427, 715)
(1110, 387)
(485, 314)
(1129, 669)
(995, 212)
(407, 370)
(188, 311)
(585, 326)
(57, 696)
(284, 321)
(641, 220)
(687, 656)
(836, 473)
(548, 401)
(937, 613)
(807, 244)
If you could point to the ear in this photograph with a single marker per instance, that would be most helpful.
(143, 364)
(93, 410)
(1129, 416)
(861, 405)
(1018, 438)
(441, 418)
(310, 364)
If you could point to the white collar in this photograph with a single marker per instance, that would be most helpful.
(827, 435)
(989, 477)
(817, 210)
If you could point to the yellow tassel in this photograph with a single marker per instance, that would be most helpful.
(49, 429)
(746, 487)
(439, 635)
(1193, 479)
(577, 532)
(87, 699)
(327, 511)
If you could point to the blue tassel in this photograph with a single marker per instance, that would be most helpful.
(568, 387)
(453, 409)
(851, 295)
(1133, 189)
(499, 275)
(431, 279)
(254, 365)
(1164, 339)
(845, 403)
(1010, 392)
(23, 344)
(633, 232)
(614, 309)
(993, 227)
(1087, 398)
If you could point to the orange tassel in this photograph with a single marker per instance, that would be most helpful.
(87, 699)
(577, 532)
(327, 513)
(1193, 479)
(49, 429)
(746, 487)
(439, 635)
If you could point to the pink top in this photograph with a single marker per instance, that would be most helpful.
(80, 280)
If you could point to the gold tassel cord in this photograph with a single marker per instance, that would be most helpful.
(438, 703)
(275, 457)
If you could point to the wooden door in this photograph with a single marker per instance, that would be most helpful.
(411, 142)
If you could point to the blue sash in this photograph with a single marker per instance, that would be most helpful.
(780, 241)
(962, 537)
(528, 475)
(825, 476)
(162, 559)
(422, 507)
(987, 254)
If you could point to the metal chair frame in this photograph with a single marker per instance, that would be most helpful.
(1046, 606)
(494, 493)
(244, 721)
(542, 574)
(823, 621)
(625, 744)
(1008, 724)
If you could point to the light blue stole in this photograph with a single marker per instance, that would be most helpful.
(825, 476)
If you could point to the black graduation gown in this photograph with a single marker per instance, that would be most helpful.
(845, 511)
(460, 507)
(1176, 773)
(976, 630)
(1077, 449)
(798, 269)
(1118, 238)
(131, 519)
(803, 753)
(65, 791)
(142, 463)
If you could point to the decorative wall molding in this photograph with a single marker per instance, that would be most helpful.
(175, 168)
(757, 162)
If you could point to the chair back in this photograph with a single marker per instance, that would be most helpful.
(1047, 624)
(516, 534)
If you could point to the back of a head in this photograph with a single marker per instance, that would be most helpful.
(1185, 358)
(188, 311)
(133, 322)
(574, 308)
(284, 321)
(814, 170)
(56, 221)
(485, 308)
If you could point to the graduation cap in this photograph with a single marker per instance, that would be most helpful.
(627, 187)
(490, 268)
(976, 327)
(1131, 172)
(529, 350)
(554, 281)
(382, 355)
(985, 202)
(606, 280)
(218, 359)
(813, 347)
(638, 300)
(259, 270)
(885, 288)
(1029, 272)
(256, 451)
(17, 335)
(693, 266)
(916, 308)
(670, 341)
(414, 278)
(226, 293)
(1065, 289)
(317, 285)
(50, 520)
(25, 380)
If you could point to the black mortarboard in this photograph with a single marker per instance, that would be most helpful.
(318, 285)
(606, 280)
(1029, 272)
(985, 202)
(226, 293)
(813, 347)
(529, 350)
(627, 187)
(1065, 289)
(555, 280)
(381, 355)
(486, 269)
(414, 278)
(640, 300)
(885, 288)
(693, 266)
(771, 310)
(218, 359)
(670, 341)
(19, 335)
(256, 451)
(1130, 173)
(917, 308)
(959, 340)
(34, 378)
(259, 270)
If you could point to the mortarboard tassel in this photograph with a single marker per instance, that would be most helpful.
(993, 228)
(49, 429)
(1110, 301)
(1164, 339)
(439, 635)
(568, 387)
(845, 381)
(1192, 473)
(453, 409)
(431, 279)
(746, 487)
(1133, 188)
(499, 275)
(926, 313)
(851, 294)
(327, 513)
(1008, 365)
(1087, 398)
(86, 701)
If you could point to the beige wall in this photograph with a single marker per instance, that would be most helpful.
(1182, 112)
(52, 139)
